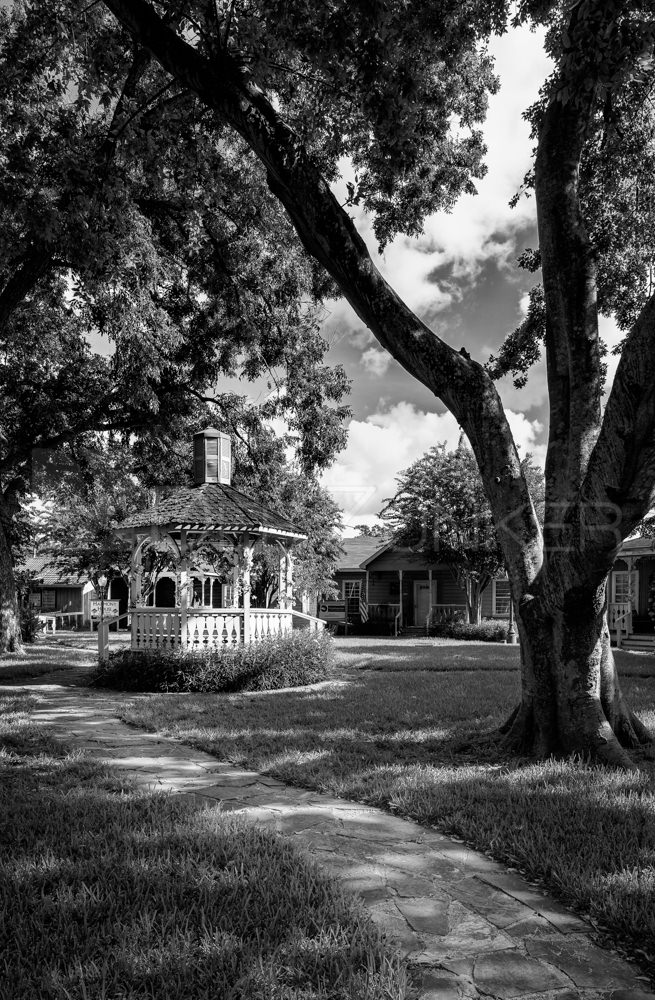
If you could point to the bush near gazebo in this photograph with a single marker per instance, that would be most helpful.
(293, 659)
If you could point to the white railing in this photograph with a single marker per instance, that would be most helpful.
(307, 621)
(205, 629)
(619, 619)
(164, 628)
(268, 622)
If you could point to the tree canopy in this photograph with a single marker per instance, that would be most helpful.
(401, 90)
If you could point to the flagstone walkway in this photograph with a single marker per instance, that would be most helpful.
(474, 928)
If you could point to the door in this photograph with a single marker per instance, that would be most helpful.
(625, 588)
(423, 601)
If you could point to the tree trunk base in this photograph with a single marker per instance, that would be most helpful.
(598, 742)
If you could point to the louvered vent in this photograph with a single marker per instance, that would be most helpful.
(212, 457)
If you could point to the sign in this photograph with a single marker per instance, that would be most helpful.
(332, 611)
(111, 609)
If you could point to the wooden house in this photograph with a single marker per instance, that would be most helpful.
(388, 585)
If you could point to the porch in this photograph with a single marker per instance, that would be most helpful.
(631, 598)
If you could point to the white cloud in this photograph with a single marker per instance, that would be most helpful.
(387, 442)
(376, 362)
(482, 227)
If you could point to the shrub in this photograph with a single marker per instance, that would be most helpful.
(30, 624)
(489, 630)
(290, 660)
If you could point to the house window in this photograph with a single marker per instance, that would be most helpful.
(352, 590)
(48, 600)
(501, 598)
(228, 596)
(622, 590)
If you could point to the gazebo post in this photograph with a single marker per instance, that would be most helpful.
(184, 590)
(246, 564)
(286, 579)
(134, 575)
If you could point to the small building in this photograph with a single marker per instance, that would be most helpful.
(61, 598)
(396, 587)
(64, 600)
(209, 533)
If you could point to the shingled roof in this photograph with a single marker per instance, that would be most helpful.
(213, 505)
(358, 552)
(46, 575)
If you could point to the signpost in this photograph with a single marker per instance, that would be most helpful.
(103, 630)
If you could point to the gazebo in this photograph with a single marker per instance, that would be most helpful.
(202, 611)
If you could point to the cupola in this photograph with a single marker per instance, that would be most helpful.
(212, 457)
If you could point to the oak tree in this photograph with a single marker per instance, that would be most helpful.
(124, 217)
(400, 88)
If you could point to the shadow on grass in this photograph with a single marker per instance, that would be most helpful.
(39, 659)
(114, 892)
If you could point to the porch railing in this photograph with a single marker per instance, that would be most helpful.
(440, 613)
(619, 619)
(383, 612)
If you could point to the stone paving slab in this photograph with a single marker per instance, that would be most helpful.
(474, 928)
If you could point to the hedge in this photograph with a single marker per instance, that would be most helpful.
(290, 660)
(489, 630)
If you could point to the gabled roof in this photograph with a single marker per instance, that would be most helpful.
(359, 552)
(217, 506)
(49, 576)
(637, 546)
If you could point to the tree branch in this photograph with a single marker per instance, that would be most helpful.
(569, 279)
(618, 488)
(329, 235)
(34, 263)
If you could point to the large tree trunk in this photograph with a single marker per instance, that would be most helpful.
(571, 700)
(10, 637)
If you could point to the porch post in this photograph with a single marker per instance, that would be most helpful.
(184, 590)
(246, 564)
(430, 611)
(631, 563)
(400, 589)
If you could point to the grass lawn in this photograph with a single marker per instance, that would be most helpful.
(43, 657)
(109, 892)
(385, 731)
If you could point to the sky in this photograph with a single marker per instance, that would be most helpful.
(461, 278)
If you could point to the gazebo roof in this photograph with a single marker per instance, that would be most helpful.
(213, 506)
